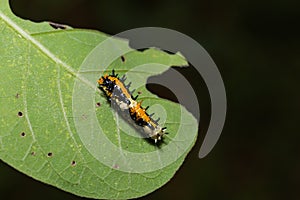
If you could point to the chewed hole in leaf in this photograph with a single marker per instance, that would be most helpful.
(20, 114)
(73, 163)
(123, 58)
(57, 26)
(162, 91)
(23, 134)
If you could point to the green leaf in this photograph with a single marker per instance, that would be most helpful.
(51, 128)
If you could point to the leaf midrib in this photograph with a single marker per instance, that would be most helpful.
(51, 56)
(43, 49)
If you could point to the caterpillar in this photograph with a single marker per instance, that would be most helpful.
(121, 98)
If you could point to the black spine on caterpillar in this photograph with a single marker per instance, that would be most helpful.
(121, 99)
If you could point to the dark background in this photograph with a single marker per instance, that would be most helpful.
(255, 44)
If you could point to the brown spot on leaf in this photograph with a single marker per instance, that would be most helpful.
(115, 166)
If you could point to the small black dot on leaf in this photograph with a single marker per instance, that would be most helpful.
(123, 58)
(98, 104)
(17, 95)
(33, 153)
(20, 114)
(23, 134)
(139, 92)
(73, 163)
(50, 154)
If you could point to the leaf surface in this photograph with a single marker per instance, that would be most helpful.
(51, 127)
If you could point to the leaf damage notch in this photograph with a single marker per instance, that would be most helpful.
(57, 25)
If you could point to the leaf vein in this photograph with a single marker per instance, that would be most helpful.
(43, 49)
